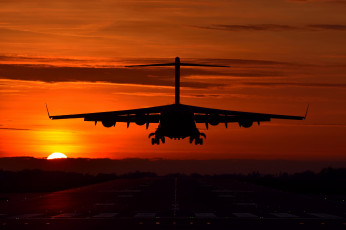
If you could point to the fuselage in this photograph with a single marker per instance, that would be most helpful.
(177, 124)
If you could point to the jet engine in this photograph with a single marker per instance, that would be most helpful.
(246, 123)
(108, 123)
(214, 120)
(140, 119)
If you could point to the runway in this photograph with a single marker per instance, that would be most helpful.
(174, 202)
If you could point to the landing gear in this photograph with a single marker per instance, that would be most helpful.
(198, 138)
(155, 141)
(198, 141)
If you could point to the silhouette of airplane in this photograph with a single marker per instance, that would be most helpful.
(177, 121)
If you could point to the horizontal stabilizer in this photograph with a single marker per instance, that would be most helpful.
(166, 64)
(173, 64)
(191, 64)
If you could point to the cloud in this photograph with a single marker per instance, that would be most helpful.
(274, 27)
(108, 62)
(323, 1)
(141, 76)
(249, 27)
(328, 27)
(61, 69)
(15, 129)
(296, 84)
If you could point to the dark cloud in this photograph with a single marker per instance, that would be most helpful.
(296, 84)
(205, 95)
(142, 76)
(36, 59)
(273, 27)
(249, 27)
(327, 27)
(324, 1)
(81, 71)
(15, 129)
(116, 62)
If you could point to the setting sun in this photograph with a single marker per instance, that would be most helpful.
(56, 156)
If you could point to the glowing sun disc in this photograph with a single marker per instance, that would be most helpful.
(56, 156)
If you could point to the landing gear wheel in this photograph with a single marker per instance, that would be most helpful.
(196, 141)
(152, 141)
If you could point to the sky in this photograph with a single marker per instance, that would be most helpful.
(283, 55)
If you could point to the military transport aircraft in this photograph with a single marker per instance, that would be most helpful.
(177, 121)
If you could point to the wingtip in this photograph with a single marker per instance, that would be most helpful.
(48, 112)
(306, 113)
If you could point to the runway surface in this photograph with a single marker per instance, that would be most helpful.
(176, 202)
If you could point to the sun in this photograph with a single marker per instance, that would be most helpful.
(56, 155)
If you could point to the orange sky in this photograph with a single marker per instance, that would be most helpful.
(70, 54)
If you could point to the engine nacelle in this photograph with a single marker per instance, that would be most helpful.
(140, 119)
(246, 123)
(214, 120)
(108, 123)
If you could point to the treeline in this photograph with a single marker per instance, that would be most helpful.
(50, 181)
(328, 181)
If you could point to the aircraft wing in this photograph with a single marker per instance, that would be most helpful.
(215, 116)
(139, 116)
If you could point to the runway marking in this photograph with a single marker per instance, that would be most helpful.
(129, 190)
(226, 196)
(125, 196)
(106, 215)
(65, 215)
(26, 216)
(205, 215)
(175, 205)
(222, 191)
(104, 204)
(244, 215)
(283, 215)
(324, 215)
(246, 204)
(229, 192)
(121, 191)
(145, 215)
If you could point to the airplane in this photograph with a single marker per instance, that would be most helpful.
(177, 121)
